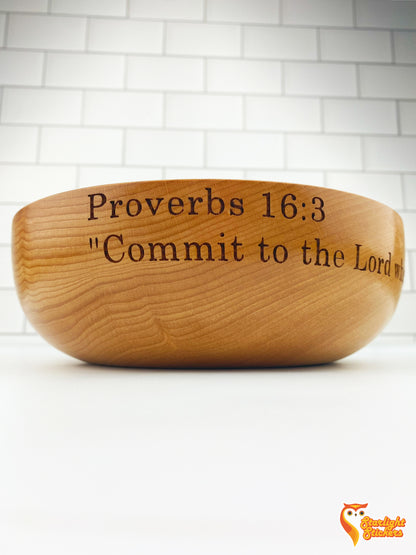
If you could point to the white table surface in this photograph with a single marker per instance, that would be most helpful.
(114, 461)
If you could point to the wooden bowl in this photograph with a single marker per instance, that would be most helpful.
(208, 273)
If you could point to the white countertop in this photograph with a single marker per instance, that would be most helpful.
(108, 460)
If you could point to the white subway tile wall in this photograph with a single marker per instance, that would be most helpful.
(192, 10)
(321, 92)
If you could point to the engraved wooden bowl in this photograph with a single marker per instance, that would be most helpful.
(208, 273)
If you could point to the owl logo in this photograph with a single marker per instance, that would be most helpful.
(351, 516)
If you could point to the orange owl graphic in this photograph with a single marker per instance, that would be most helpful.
(350, 515)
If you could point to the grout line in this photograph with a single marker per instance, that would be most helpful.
(300, 25)
(362, 152)
(100, 165)
(267, 94)
(83, 106)
(44, 68)
(216, 57)
(398, 117)
(358, 79)
(38, 144)
(123, 146)
(205, 75)
(319, 44)
(403, 190)
(285, 152)
(354, 14)
(164, 110)
(22, 335)
(164, 37)
(179, 129)
(87, 33)
(322, 115)
(411, 265)
(205, 150)
(242, 28)
(125, 73)
(6, 30)
(77, 176)
(392, 48)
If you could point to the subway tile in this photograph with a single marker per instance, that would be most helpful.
(6, 274)
(167, 9)
(388, 81)
(318, 12)
(124, 109)
(46, 32)
(41, 106)
(244, 150)
(283, 113)
(284, 43)
(7, 213)
(407, 112)
(320, 79)
(203, 39)
(164, 148)
(409, 222)
(355, 45)
(204, 173)
(410, 192)
(250, 76)
(405, 46)
(164, 73)
(123, 35)
(390, 14)
(331, 152)
(11, 314)
(20, 68)
(24, 5)
(27, 182)
(315, 178)
(101, 175)
(359, 116)
(390, 154)
(84, 70)
(90, 7)
(68, 145)
(18, 144)
(403, 320)
(204, 111)
(383, 187)
(243, 11)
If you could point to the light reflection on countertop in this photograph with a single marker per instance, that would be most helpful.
(97, 459)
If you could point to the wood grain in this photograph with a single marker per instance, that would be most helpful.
(208, 273)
